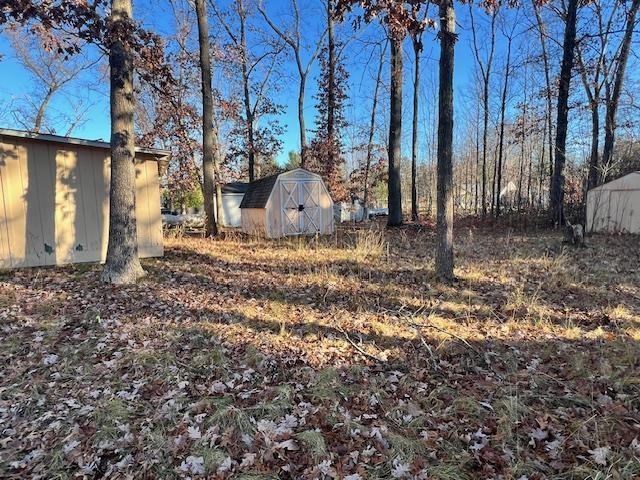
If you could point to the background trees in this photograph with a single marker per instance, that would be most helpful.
(292, 36)
(528, 134)
(52, 71)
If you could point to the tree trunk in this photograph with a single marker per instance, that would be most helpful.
(594, 105)
(477, 169)
(37, 124)
(522, 162)
(417, 48)
(486, 77)
(122, 264)
(251, 152)
(485, 132)
(444, 228)
(503, 107)
(372, 129)
(594, 177)
(547, 76)
(303, 132)
(331, 102)
(208, 141)
(614, 101)
(394, 198)
(542, 169)
(569, 46)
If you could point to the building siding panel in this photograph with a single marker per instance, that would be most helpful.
(54, 203)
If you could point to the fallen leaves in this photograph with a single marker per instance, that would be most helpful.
(294, 360)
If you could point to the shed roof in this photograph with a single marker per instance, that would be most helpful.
(235, 187)
(258, 192)
(7, 132)
(614, 180)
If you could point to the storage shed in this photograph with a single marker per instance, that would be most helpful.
(54, 200)
(615, 206)
(232, 194)
(296, 202)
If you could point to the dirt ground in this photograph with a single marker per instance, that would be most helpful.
(329, 358)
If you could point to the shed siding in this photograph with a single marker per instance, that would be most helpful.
(231, 216)
(54, 203)
(254, 221)
(615, 206)
(272, 212)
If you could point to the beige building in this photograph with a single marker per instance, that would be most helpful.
(54, 200)
(296, 202)
(615, 206)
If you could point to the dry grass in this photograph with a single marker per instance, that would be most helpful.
(312, 358)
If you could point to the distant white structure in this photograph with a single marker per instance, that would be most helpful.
(615, 206)
(508, 194)
(349, 211)
(232, 195)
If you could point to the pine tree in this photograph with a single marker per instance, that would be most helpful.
(326, 150)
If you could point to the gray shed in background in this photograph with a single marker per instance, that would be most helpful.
(296, 202)
(232, 194)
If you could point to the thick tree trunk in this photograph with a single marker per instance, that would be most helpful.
(394, 198)
(209, 141)
(122, 264)
(444, 228)
(417, 48)
(614, 101)
(569, 46)
(372, 129)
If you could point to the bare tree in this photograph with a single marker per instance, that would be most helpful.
(331, 82)
(485, 71)
(613, 93)
(547, 76)
(416, 41)
(52, 72)
(293, 38)
(372, 128)
(253, 93)
(503, 106)
(594, 77)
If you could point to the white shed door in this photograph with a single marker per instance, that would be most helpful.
(301, 212)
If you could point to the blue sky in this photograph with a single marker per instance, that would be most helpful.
(157, 15)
